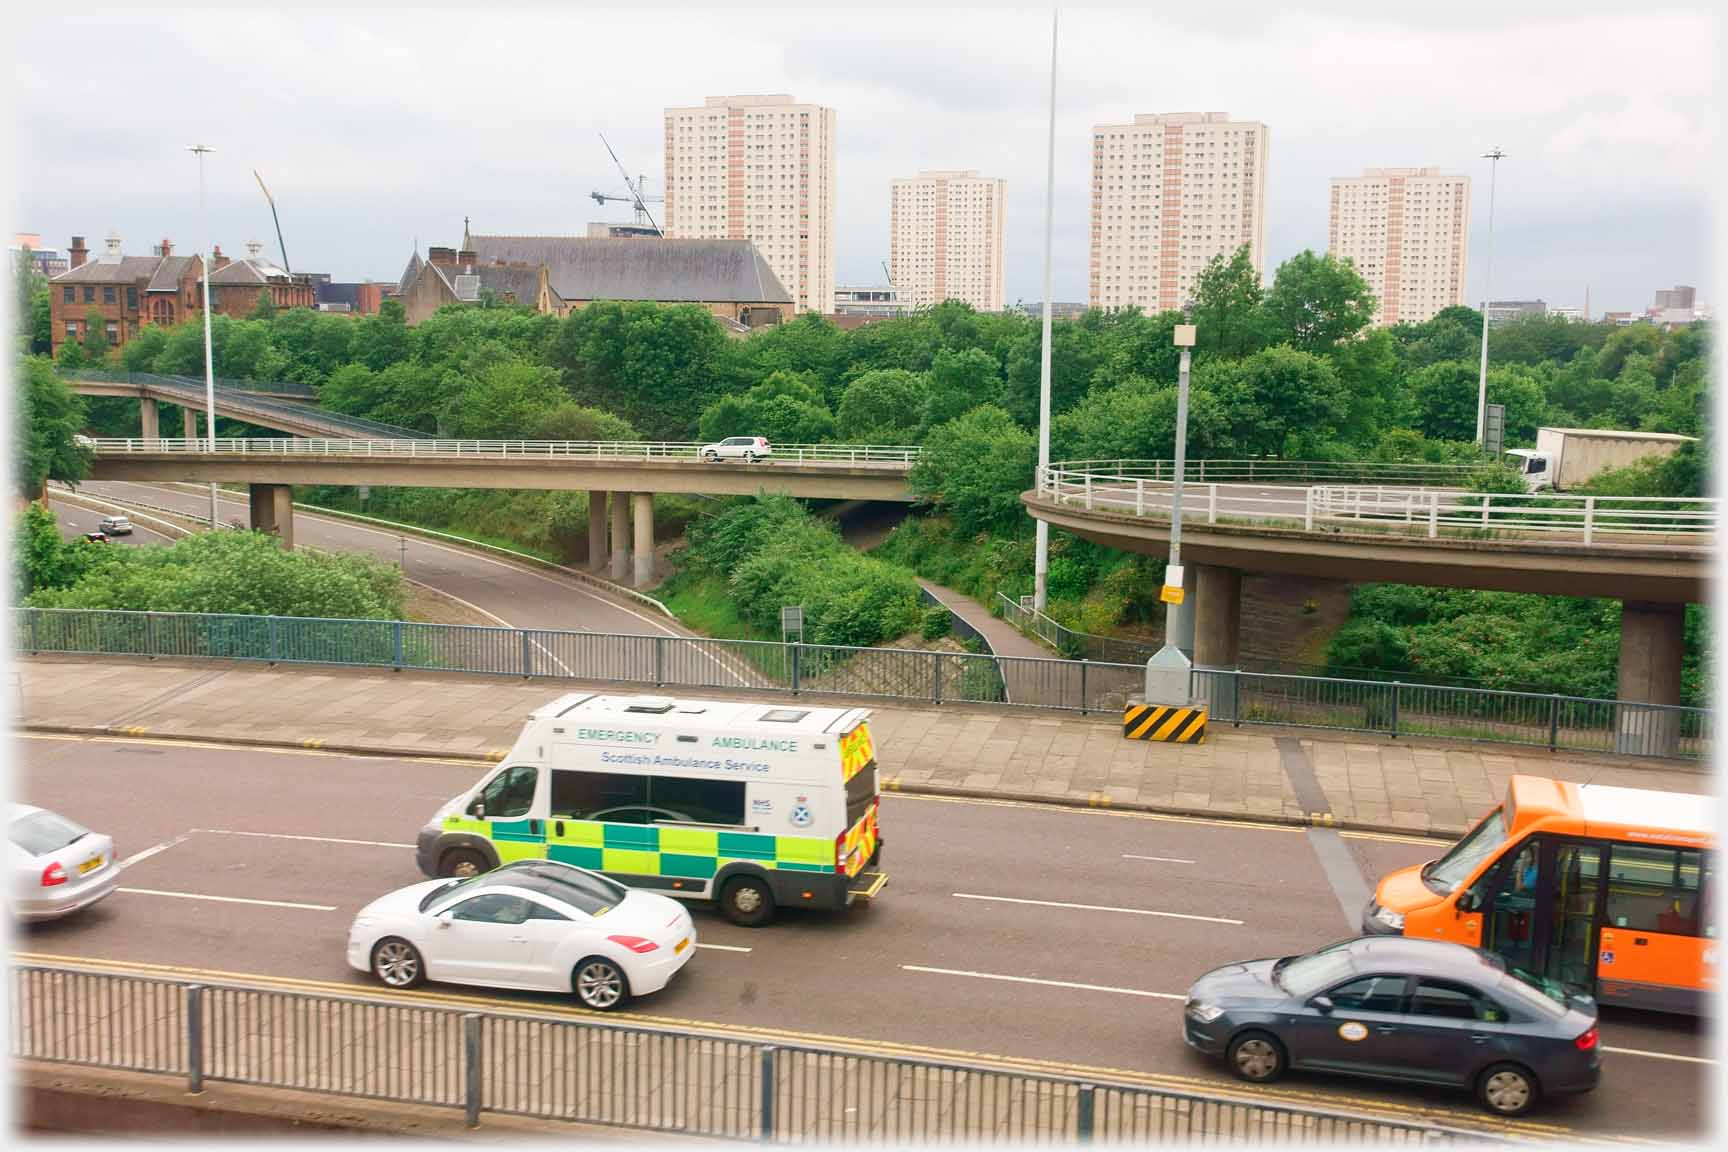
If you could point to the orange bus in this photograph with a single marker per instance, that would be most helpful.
(1588, 888)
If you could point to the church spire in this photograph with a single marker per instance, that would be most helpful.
(467, 241)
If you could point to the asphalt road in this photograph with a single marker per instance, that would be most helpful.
(76, 520)
(974, 948)
(511, 594)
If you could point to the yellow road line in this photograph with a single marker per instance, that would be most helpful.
(1170, 1081)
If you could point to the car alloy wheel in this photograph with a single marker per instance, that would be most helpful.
(396, 963)
(1256, 1058)
(749, 457)
(599, 984)
(1507, 1091)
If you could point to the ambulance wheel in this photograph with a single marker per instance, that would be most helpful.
(463, 862)
(747, 901)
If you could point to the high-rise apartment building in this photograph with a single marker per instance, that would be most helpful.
(1169, 192)
(1407, 230)
(945, 239)
(758, 168)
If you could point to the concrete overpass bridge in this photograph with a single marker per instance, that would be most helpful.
(290, 408)
(625, 475)
(1653, 555)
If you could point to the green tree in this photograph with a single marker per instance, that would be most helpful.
(139, 353)
(974, 468)
(572, 421)
(657, 366)
(265, 309)
(1073, 359)
(383, 339)
(33, 316)
(1453, 333)
(808, 344)
(502, 402)
(884, 406)
(44, 559)
(1316, 302)
(1643, 339)
(1374, 384)
(1280, 401)
(45, 436)
(785, 408)
(959, 381)
(97, 350)
(1227, 300)
(1136, 420)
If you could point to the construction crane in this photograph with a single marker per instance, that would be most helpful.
(638, 186)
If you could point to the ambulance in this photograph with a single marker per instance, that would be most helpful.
(754, 806)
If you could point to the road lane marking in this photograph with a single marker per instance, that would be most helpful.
(319, 839)
(140, 857)
(1097, 908)
(1659, 1055)
(1216, 1086)
(228, 899)
(1158, 859)
(1045, 983)
(725, 947)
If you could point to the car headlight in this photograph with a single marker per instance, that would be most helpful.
(1204, 1012)
(1391, 919)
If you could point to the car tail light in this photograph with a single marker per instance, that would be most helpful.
(840, 852)
(1588, 1040)
(634, 943)
(53, 874)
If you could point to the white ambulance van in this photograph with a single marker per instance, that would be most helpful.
(755, 806)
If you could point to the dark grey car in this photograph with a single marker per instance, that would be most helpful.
(1421, 1011)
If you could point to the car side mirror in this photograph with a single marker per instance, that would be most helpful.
(1323, 1004)
(1471, 901)
(477, 809)
(444, 919)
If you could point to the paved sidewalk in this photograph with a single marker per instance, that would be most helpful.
(1250, 772)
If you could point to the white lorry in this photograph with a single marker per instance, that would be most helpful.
(1567, 457)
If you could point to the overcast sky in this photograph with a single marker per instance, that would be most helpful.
(374, 128)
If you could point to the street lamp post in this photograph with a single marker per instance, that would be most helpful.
(209, 364)
(1494, 156)
(1041, 552)
(1169, 672)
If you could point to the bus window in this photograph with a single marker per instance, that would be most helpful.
(1572, 940)
(1455, 867)
(1511, 906)
(1652, 889)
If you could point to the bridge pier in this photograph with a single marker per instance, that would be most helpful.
(1652, 647)
(149, 419)
(620, 537)
(273, 510)
(189, 422)
(642, 512)
(597, 553)
(1215, 630)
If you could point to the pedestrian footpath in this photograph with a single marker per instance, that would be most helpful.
(1007, 753)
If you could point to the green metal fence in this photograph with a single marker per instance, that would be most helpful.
(1235, 697)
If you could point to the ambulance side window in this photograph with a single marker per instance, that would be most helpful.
(511, 793)
(608, 796)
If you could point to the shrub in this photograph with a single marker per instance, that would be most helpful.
(937, 623)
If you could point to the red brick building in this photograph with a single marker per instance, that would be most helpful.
(236, 285)
(127, 291)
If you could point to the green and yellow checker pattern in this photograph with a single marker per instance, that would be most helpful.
(1164, 723)
(646, 849)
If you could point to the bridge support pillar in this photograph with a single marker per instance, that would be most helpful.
(273, 511)
(642, 512)
(1216, 624)
(189, 422)
(149, 419)
(1652, 645)
(620, 537)
(597, 556)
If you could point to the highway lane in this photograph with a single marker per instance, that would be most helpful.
(76, 520)
(512, 594)
(974, 947)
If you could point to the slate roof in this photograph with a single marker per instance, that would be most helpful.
(245, 272)
(523, 283)
(126, 270)
(167, 275)
(619, 268)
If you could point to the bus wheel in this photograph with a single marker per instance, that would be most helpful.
(463, 862)
(747, 901)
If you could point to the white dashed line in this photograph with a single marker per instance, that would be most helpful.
(1045, 983)
(1159, 859)
(228, 899)
(1659, 1055)
(319, 839)
(1098, 908)
(140, 857)
(725, 947)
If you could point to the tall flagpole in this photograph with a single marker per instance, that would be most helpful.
(1041, 565)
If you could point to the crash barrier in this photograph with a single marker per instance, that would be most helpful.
(589, 1071)
(1230, 696)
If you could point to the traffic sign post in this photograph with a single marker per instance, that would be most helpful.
(792, 624)
(1494, 431)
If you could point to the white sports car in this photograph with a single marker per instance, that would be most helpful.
(535, 924)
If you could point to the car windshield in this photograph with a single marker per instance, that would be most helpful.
(1302, 976)
(443, 890)
(40, 833)
(1452, 869)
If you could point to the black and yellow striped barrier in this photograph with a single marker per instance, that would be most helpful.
(1165, 723)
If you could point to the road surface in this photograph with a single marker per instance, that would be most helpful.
(979, 946)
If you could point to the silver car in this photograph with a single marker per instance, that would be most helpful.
(116, 526)
(58, 866)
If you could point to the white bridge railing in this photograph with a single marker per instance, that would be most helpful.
(1390, 508)
(896, 455)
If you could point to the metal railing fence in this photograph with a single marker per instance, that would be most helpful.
(1543, 720)
(1271, 470)
(223, 383)
(241, 402)
(1647, 521)
(895, 457)
(594, 1072)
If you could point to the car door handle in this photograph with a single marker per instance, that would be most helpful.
(1383, 1029)
(518, 939)
(1479, 1038)
(558, 828)
(533, 827)
(1640, 941)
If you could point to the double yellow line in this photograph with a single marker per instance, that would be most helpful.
(1215, 1088)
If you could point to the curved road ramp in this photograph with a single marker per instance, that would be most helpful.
(563, 1067)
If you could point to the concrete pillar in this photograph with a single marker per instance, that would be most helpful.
(1182, 618)
(597, 555)
(273, 510)
(149, 419)
(1217, 626)
(642, 512)
(1652, 645)
(620, 537)
(189, 422)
